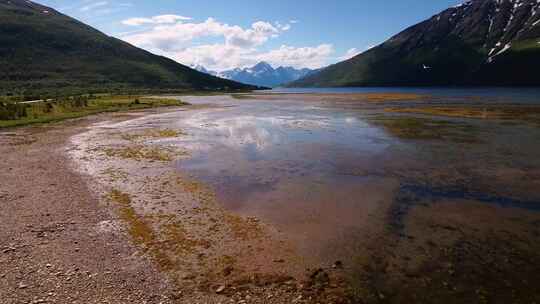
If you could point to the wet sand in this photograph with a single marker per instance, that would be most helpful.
(328, 198)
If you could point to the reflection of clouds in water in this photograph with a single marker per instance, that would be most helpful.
(238, 131)
(260, 132)
(351, 120)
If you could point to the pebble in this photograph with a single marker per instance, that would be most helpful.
(220, 289)
(22, 286)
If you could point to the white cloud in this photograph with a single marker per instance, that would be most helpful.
(225, 46)
(94, 5)
(311, 57)
(174, 36)
(221, 57)
(161, 19)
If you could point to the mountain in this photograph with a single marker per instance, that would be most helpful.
(480, 42)
(202, 69)
(43, 50)
(262, 74)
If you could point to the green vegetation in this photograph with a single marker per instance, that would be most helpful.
(14, 114)
(44, 51)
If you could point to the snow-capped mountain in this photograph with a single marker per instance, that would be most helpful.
(262, 74)
(479, 42)
(202, 69)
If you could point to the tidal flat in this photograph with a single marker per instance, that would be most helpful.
(328, 198)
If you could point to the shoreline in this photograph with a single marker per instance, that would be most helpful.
(99, 202)
(210, 254)
(56, 244)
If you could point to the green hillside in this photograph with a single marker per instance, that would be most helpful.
(44, 50)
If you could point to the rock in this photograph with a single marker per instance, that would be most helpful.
(9, 249)
(319, 277)
(227, 270)
(337, 265)
(220, 289)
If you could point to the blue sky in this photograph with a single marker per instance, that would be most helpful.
(237, 33)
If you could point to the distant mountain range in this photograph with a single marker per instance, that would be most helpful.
(42, 49)
(262, 74)
(480, 42)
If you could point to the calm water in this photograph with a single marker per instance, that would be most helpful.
(323, 171)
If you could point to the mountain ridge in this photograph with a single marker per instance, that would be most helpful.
(261, 74)
(42, 49)
(479, 42)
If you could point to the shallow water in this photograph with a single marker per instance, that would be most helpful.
(488, 94)
(325, 173)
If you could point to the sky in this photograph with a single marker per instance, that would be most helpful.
(222, 35)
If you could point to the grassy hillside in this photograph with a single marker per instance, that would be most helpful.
(43, 50)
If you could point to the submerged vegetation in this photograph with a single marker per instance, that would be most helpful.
(420, 128)
(526, 113)
(16, 113)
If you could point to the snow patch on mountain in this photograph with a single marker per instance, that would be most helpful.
(261, 74)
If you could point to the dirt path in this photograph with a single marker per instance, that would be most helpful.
(55, 245)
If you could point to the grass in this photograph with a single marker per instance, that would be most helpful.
(13, 115)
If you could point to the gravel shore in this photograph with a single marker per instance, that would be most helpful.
(53, 247)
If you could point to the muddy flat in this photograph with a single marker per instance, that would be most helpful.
(278, 198)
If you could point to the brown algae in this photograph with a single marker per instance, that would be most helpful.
(153, 134)
(140, 230)
(476, 112)
(140, 153)
(420, 128)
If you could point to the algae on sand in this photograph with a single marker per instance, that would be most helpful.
(140, 153)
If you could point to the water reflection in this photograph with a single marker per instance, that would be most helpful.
(320, 169)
